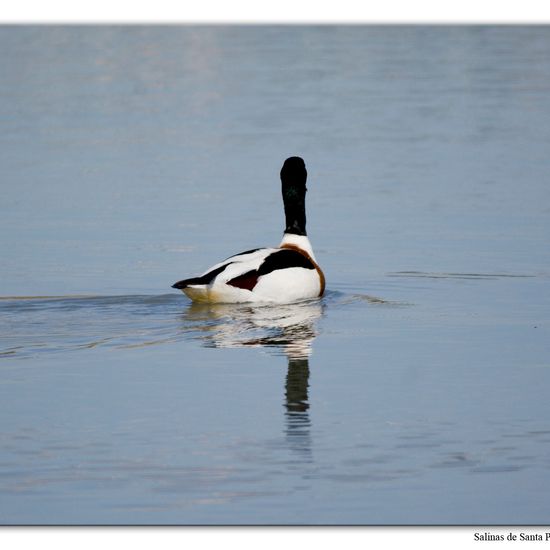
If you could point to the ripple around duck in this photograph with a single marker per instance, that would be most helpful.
(32, 325)
(343, 298)
(37, 325)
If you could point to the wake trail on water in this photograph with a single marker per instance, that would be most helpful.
(33, 326)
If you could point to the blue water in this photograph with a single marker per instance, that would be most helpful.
(414, 392)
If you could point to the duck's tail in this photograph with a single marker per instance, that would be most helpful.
(188, 282)
(205, 279)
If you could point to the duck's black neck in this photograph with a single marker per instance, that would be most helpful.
(293, 180)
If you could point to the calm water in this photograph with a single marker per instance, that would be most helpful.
(415, 391)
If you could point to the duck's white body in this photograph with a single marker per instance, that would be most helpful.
(288, 273)
(288, 284)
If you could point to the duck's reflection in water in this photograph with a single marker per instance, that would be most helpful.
(288, 330)
(298, 423)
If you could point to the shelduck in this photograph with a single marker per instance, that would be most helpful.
(285, 274)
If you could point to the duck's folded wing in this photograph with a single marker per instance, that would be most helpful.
(251, 259)
(277, 259)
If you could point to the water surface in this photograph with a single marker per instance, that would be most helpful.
(413, 392)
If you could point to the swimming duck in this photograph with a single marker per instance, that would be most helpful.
(285, 274)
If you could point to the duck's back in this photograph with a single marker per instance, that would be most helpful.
(260, 275)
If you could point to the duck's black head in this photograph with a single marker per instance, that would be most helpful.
(293, 180)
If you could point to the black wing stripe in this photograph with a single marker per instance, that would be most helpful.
(284, 259)
(202, 280)
(208, 277)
